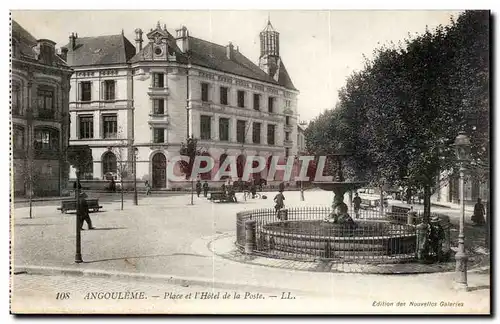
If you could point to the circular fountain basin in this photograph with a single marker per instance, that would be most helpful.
(327, 240)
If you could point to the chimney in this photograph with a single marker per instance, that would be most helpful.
(138, 40)
(72, 41)
(230, 51)
(64, 53)
(182, 39)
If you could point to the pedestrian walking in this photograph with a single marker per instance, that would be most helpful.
(83, 212)
(148, 188)
(279, 199)
(205, 188)
(253, 190)
(198, 188)
(479, 212)
(112, 185)
(357, 204)
(231, 194)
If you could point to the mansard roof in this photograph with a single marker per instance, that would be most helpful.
(26, 43)
(117, 49)
(110, 49)
(213, 56)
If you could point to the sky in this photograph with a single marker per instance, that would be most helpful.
(320, 49)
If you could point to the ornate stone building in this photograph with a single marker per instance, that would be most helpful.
(169, 88)
(40, 121)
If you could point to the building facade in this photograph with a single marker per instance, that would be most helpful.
(170, 88)
(40, 120)
(301, 139)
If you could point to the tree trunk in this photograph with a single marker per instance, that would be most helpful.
(121, 190)
(381, 201)
(487, 217)
(192, 192)
(31, 203)
(427, 203)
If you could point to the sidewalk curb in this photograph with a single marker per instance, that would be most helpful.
(335, 267)
(164, 278)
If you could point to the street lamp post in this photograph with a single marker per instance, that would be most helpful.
(462, 150)
(135, 176)
(79, 221)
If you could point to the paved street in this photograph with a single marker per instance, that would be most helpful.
(47, 294)
(42, 293)
(162, 236)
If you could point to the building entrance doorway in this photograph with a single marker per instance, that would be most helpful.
(159, 171)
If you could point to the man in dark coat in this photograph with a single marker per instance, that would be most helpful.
(198, 188)
(479, 212)
(205, 188)
(83, 212)
(357, 204)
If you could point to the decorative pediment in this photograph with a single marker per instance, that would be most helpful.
(158, 35)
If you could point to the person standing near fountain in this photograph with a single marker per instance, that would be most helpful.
(279, 199)
(357, 204)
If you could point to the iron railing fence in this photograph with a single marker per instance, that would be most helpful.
(305, 235)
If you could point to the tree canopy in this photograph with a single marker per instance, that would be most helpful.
(399, 116)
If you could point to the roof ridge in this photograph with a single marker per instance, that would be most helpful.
(100, 36)
(207, 41)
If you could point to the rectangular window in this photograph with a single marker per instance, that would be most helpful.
(110, 126)
(256, 133)
(18, 138)
(270, 134)
(46, 140)
(158, 80)
(224, 129)
(109, 90)
(204, 91)
(287, 136)
(158, 135)
(86, 91)
(223, 95)
(256, 101)
(287, 152)
(240, 131)
(241, 98)
(270, 104)
(158, 106)
(287, 120)
(16, 99)
(45, 98)
(205, 127)
(86, 125)
(288, 103)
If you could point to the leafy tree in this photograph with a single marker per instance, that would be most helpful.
(400, 115)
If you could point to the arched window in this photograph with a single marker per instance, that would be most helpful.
(240, 165)
(109, 164)
(204, 164)
(223, 158)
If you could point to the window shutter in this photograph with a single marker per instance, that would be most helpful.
(114, 90)
(103, 91)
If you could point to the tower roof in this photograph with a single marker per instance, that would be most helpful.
(269, 27)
